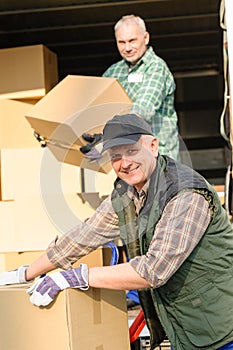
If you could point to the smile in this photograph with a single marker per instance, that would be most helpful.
(131, 171)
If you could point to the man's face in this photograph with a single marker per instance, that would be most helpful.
(135, 163)
(131, 42)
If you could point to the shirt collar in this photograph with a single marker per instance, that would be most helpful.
(144, 59)
(132, 192)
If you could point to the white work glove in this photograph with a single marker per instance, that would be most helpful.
(44, 291)
(14, 276)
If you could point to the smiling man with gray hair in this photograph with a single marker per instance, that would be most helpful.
(178, 237)
(147, 80)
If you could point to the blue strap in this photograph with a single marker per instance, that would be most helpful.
(228, 346)
(133, 295)
(115, 253)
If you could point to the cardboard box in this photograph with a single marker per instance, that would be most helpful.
(77, 105)
(28, 172)
(27, 72)
(31, 101)
(15, 132)
(99, 182)
(92, 320)
(31, 223)
(220, 189)
(7, 222)
(10, 261)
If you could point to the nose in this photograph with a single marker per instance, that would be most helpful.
(125, 162)
(127, 46)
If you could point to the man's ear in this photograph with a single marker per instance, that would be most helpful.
(147, 38)
(155, 146)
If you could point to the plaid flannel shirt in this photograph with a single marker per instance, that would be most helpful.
(179, 230)
(151, 86)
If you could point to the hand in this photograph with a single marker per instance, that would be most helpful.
(46, 289)
(91, 150)
(93, 155)
(14, 276)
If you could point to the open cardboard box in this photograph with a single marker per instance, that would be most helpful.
(27, 72)
(92, 320)
(77, 105)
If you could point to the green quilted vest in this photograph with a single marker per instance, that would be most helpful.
(195, 307)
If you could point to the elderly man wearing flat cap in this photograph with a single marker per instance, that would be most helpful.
(178, 237)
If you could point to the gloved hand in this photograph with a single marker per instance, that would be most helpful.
(14, 276)
(93, 155)
(46, 288)
(91, 150)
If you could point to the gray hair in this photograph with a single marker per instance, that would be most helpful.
(131, 19)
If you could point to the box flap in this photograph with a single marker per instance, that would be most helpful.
(77, 105)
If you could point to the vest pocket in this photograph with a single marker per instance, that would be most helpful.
(205, 316)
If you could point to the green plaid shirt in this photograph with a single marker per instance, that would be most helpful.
(151, 86)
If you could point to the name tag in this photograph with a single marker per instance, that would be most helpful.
(135, 78)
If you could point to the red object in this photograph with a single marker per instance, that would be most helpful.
(137, 326)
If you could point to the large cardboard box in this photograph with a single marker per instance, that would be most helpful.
(77, 105)
(92, 320)
(11, 260)
(14, 129)
(31, 223)
(27, 72)
(28, 172)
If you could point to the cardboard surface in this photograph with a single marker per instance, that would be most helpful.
(34, 172)
(77, 105)
(31, 223)
(12, 260)
(27, 72)
(92, 320)
(14, 129)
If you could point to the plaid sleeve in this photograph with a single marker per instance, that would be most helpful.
(99, 229)
(156, 86)
(182, 225)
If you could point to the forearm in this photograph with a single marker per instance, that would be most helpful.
(38, 267)
(120, 277)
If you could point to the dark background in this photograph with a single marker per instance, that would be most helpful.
(185, 33)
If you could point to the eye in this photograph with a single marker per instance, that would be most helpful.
(115, 157)
(131, 152)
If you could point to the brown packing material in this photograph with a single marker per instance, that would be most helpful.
(27, 72)
(92, 320)
(77, 105)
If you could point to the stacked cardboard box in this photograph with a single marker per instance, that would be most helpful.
(37, 193)
(39, 201)
(92, 320)
(27, 72)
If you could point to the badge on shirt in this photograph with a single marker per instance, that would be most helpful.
(135, 77)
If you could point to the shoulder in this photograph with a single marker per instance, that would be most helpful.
(115, 67)
(153, 60)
